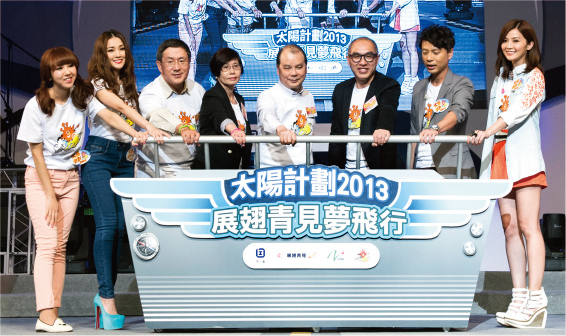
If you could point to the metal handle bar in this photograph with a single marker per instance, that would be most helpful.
(309, 14)
(272, 15)
(359, 139)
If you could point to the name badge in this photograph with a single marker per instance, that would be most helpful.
(131, 155)
(440, 105)
(311, 112)
(370, 104)
(80, 157)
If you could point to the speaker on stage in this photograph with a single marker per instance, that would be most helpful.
(553, 232)
(458, 10)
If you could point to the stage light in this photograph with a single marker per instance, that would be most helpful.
(553, 233)
(458, 10)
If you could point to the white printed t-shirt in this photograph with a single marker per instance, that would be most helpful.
(354, 123)
(165, 109)
(194, 9)
(62, 134)
(100, 128)
(424, 152)
(277, 106)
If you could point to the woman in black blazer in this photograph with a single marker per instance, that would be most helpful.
(223, 113)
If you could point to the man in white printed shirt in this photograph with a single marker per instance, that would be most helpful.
(287, 110)
(172, 103)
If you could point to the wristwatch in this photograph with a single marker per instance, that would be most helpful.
(435, 127)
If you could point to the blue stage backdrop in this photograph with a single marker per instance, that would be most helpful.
(326, 47)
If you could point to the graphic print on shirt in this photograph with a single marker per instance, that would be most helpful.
(131, 123)
(241, 126)
(504, 104)
(428, 115)
(200, 7)
(190, 120)
(301, 126)
(354, 117)
(69, 138)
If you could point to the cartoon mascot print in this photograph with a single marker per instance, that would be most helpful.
(69, 138)
(190, 120)
(301, 125)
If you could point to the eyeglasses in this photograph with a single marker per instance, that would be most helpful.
(226, 67)
(356, 58)
(181, 62)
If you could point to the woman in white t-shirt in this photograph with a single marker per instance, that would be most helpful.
(53, 125)
(111, 70)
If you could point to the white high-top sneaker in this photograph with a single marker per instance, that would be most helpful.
(409, 88)
(406, 82)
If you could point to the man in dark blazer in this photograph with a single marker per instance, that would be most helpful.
(364, 105)
(441, 104)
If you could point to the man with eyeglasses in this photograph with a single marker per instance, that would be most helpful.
(364, 105)
(286, 109)
(172, 103)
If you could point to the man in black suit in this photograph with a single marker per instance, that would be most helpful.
(364, 105)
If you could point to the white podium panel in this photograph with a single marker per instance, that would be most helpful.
(302, 246)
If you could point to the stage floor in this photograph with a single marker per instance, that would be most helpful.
(479, 325)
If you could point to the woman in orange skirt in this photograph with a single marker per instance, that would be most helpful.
(512, 150)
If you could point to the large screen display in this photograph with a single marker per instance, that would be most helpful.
(322, 34)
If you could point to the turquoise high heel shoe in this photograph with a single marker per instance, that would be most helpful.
(103, 320)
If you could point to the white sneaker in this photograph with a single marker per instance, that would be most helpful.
(406, 81)
(58, 326)
(409, 88)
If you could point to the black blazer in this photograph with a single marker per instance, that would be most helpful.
(387, 91)
(214, 110)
